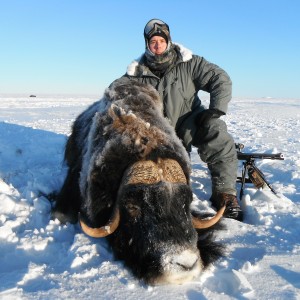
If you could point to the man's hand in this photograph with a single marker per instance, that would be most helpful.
(207, 114)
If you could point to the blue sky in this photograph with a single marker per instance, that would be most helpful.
(80, 47)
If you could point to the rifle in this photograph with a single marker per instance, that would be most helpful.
(255, 175)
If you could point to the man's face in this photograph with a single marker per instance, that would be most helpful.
(157, 45)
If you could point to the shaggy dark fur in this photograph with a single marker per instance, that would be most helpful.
(127, 126)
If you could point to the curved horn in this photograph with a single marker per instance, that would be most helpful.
(202, 224)
(105, 230)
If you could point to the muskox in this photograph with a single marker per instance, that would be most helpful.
(129, 180)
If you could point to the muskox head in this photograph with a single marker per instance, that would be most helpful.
(151, 227)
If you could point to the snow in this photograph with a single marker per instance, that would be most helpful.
(42, 259)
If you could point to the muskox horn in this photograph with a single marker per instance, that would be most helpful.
(202, 224)
(105, 230)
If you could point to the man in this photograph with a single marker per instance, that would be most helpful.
(178, 75)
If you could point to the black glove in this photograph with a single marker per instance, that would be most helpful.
(204, 116)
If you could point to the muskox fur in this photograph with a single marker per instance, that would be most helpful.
(155, 231)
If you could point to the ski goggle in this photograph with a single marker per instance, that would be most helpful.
(155, 25)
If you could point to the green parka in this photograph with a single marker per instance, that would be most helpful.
(181, 83)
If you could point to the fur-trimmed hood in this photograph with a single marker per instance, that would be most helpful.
(138, 67)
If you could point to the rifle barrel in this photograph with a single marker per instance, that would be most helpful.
(249, 156)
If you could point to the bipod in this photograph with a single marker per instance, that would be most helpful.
(255, 176)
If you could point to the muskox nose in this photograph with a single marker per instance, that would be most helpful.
(186, 260)
(180, 267)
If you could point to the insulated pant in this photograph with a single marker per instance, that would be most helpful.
(216, 147)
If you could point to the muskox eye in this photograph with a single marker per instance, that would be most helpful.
(144, 140)
(134, 210)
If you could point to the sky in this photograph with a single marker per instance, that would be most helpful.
(79, 47)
